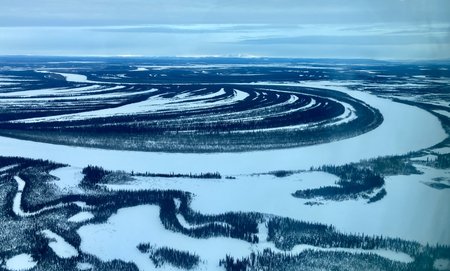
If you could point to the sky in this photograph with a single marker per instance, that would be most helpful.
(381, 29)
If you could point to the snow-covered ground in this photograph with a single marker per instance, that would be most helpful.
(49, 92)
(139, 69)
(124, 231)
(158, 104)
(72, 77)
(425, 158)
(17, 202)
(60, 246)
(398, 134)
(389, 254)
(152, 104)
(443, 112)
(3, 169)
(411, 210)
(68, 178)
(81, 217)
(443, 150)
(187, 225)
(20, 184)
(119, 237)
(399, 214)
(23, 97)
(20, 262)
(85, 266)
(79, 78)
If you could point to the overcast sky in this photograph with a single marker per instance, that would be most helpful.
(380, 29)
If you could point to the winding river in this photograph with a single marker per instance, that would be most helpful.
(404, 129)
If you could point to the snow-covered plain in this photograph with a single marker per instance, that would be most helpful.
(398, 134)
(81, 217)
(20, 262)
(179, 103)
(60, 246)
(152, 104)
(68, 178)
(119, 237)
(85, 266)
(72, 77)
(184, 102)
(399, 214)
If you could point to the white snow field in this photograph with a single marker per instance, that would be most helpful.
(68, 178)
(60, 246)
(71, 77)
(398, 134)
(119, 237)
(399, 214)
(85, 266)
(152, 104)
(20, 262)
(81, 217)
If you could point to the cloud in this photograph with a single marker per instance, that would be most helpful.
(373, 40)
(133, 12)
(338, 41)
(187, 28)
(363, 28)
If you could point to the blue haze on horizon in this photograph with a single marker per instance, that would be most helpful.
(384, 29)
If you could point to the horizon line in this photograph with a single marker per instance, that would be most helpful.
(238, 56)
